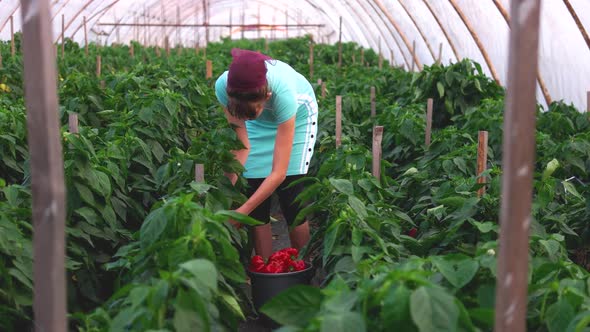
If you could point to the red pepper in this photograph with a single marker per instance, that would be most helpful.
(280, 256)
(413, 232)
(274, 267)
(292, 252)
(298, 265)
(257, 264)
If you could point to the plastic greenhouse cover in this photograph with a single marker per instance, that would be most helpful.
(392, 26)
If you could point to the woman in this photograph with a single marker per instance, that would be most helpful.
(274, 112)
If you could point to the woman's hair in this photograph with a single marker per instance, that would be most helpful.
(242, 105)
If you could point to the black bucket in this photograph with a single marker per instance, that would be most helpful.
(265, 286)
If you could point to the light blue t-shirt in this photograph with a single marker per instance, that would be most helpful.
(292, 95)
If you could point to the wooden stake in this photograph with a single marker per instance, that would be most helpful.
(377, 138)
(438, 59)
(518, 165)
(362, 56)
(73, 123)
(98, 65)
(338, 121)
(340, 45)
(311, 60)
(392, 63)
(323, 89)
(85, 38)
(209, 69)
(63, 24)
(12, 48)
(199, 173)
(373, 104)
(429, 107)
(588, 102)
(482, 159)
(413, 54)
(167, 46)
(46, 167)
(0, 60)
(380, 60)
(265, 45)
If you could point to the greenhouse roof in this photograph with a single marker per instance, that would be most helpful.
(475, 29)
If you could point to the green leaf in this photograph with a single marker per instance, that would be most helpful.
(396, 307)
(85, 194)
(99, 181)
(358, 206)
(433, 309)
(342, 185)
(203, 270)
(239, 217)
(200, 187)
(153, 226)
(294, 306)
(233, 304)
(569, 187)
(343, 322)
(486, 226)
(88, 214)
(458, 269)
(460, 162)
(559, 316)
(191, 313)
(330, 239)
(441, 89)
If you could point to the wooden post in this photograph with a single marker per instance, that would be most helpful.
(63, 24)
(323, 89)
(311, 60)
(392, 63)
(199, 173)
(438, 59)
(413, 54)
(373, 104)
(429, 107)
(0, 60)
(209, 69)
(73, 123)
(340, 45)
(362, 56)
(265, 45)
(377, 138)
(588, 102)
(47, 168)
(380, 61)
(167, 46)
(517, 166)
(98, 65)
(482, 159)
(12, 48)
(286, 24)
(338, 121)
(85, 38)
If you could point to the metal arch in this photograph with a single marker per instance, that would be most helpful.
(100, 13)
(475, 37)
(192, 14)
(542, 84)
(574, 15)
(388, 28)
(67, 25)
(418, 28)
(399, 31)
(392, 33)
(195, 8)
(55, 13)
(444, 31)
(8, 17)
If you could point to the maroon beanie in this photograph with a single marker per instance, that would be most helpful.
(247, 71)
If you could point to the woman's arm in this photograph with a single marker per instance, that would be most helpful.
(240, 155)
(280, 164)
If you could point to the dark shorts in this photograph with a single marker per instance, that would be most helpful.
(286, 196)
